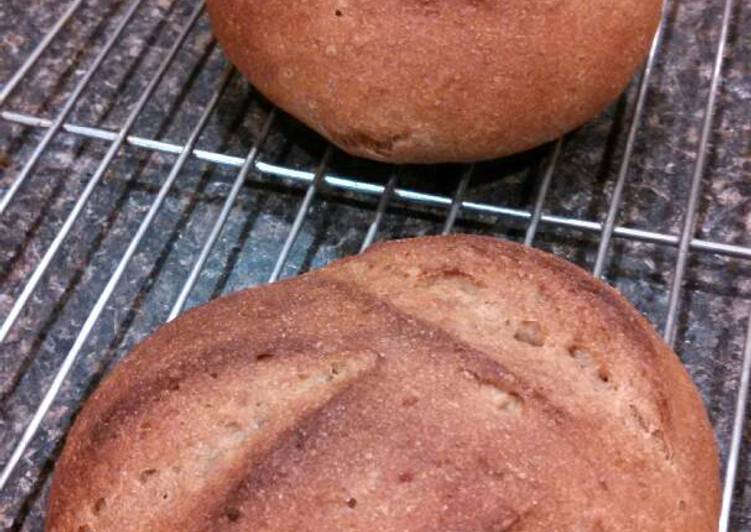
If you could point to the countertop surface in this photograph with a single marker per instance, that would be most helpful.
(715, 298)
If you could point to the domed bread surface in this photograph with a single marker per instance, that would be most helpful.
(426, 81)
(445, 383)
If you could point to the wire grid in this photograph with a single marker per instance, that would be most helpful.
(257, 162)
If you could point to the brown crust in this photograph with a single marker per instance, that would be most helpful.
(437, 80)
(445, 383)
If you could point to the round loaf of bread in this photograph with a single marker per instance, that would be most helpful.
(420, 81)
(451, 383)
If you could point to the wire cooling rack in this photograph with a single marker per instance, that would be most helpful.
(141, 175)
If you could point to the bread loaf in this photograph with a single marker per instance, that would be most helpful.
(450, 383)
(437, 80)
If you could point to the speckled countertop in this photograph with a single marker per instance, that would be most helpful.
(715, 302)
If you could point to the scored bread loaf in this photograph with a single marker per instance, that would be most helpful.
(449, 383)
(437, 80)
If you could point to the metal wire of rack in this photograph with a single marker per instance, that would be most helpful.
(21, 472)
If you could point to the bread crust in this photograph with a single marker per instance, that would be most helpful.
(422, 81)
(441, 383)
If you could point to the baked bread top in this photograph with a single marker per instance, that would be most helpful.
(445, 383)
(437, 80)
